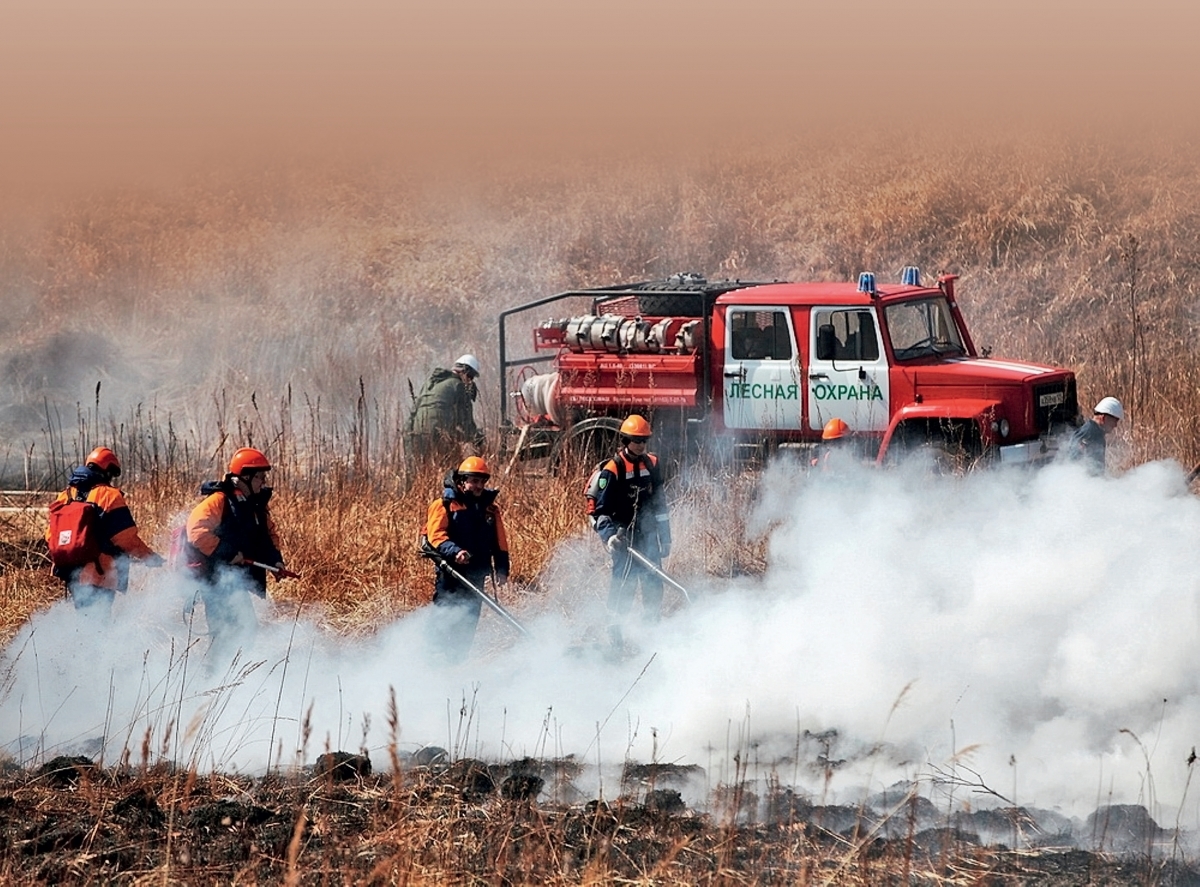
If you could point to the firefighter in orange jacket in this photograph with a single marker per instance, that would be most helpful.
(627, 507)
(465, 527)
(93, 586)
(227, 533)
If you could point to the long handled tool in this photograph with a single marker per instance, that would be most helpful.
(443, 564)
(658, 571)
(280, 572)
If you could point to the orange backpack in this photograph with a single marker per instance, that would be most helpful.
(75, 535)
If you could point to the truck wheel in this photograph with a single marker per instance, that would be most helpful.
(946, 447)
(579, 449)
(945, 458)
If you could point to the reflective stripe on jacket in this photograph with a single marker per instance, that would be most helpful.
(629, 495)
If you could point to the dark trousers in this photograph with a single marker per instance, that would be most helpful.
(628, 574)
(91, 600)
(456, 615)
(229, 613)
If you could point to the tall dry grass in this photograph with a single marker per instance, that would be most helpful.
(292, 307)
(289, 308)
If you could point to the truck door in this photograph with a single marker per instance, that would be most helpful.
(762, 369)
(848, 370)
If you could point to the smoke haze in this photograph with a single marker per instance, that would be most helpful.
(136, 90)
(150, 193)
(1030, 620)
(1035, 630)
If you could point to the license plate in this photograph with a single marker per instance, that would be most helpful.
(1051, 400)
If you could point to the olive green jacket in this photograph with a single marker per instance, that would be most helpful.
(445, 408)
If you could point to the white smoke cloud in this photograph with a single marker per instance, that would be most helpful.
(1042, 623)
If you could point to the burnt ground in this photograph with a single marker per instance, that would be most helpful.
(429, 821)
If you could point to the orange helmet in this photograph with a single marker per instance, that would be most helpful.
(835, 429)
(474, 466)
(104, 459)
(247, 460)
(635, 426)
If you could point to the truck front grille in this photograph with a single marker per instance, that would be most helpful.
(1054, 404)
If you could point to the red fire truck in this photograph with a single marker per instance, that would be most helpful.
(763, 364)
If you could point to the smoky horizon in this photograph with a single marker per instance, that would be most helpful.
(135, 92)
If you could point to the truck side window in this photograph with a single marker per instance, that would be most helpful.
(846, 335)
(827, 342)
(759, 335)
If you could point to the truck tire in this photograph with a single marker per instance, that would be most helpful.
(585, 443)
(946, 447)
(945, 458)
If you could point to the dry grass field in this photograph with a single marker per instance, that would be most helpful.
(291, 308)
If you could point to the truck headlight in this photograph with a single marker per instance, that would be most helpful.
(1001, 427)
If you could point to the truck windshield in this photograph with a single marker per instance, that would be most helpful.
(923, 327)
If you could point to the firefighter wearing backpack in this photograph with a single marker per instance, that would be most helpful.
(227, 533)
(627, 508)
(464, 527)
(443, 416)
(92, 535)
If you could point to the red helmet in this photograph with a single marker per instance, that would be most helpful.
(835, 429)
(248, 460)
(104, 459)
(474, 466)
(635, 426)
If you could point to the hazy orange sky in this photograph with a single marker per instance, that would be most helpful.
(95, 90)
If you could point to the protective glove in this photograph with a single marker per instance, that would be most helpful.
(154, 560)
(616, 542)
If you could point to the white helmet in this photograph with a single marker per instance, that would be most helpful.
(1110, 406)
(470, 361)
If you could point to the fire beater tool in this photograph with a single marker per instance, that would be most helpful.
(279, 572)
(430, 552)
(658, 571)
